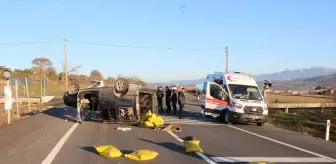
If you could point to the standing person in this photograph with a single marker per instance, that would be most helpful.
(174, 100)
(181, 102)
(159, 95)
(168, 99)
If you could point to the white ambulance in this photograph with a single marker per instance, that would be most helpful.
(233, 97)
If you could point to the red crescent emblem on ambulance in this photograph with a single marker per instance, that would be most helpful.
(229, 78)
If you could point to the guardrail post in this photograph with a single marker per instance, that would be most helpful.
(327, 130)
(322, 107)
(286, 108)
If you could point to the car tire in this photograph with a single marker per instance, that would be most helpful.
(73, 89)
(121, 85)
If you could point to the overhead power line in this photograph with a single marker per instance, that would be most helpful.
(146, 47)
(25, 43)
(113, 45)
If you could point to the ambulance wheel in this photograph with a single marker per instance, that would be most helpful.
(224, 117)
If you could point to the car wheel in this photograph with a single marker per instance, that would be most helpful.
(121, 85)
(73, 89)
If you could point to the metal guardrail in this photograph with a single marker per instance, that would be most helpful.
(301, 106)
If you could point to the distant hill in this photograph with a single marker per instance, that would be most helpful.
(307, 83)
(298, 79)
(296, 74)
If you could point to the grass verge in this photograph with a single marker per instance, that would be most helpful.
(308, 122)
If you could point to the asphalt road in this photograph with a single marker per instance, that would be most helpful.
(52, 137)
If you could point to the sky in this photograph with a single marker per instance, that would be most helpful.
(263, 36)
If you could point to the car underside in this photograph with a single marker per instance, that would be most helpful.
(113, 104)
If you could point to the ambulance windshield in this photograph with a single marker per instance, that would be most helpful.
(244, 92)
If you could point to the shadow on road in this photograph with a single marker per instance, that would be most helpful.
(189, 115)
(173, 147)
(66, 113)
(90, 149)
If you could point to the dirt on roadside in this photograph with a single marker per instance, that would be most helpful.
(24, 112)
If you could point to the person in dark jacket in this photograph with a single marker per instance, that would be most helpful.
(159, 95)
(168, 99)
(174, 100)
(181, 102)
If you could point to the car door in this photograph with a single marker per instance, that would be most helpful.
(215, 98)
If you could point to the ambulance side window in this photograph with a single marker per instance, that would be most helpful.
(215, 91)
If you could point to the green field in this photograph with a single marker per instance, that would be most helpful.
(306, 121)
(297, 99)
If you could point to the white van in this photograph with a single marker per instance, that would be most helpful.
(233, 97)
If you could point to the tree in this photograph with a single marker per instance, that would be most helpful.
(96, 75)
(72, 70)
(41, 65)
(110, 78)
(52, 72)
(133, 79)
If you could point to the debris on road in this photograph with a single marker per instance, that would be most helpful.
(108, 151)
(142, 155)
(91, 115)
(124, 129)
(192, 145)
(172, 127)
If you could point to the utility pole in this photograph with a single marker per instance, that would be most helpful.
(227, 58)
(65, 66)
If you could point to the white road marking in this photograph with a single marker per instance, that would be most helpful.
(59, 145)
(270, 159)
(285, 144)
(207, 159)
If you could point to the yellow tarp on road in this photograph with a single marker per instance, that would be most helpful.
(108, 151)
(151, 119)
(193, 146)
(142, 155)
